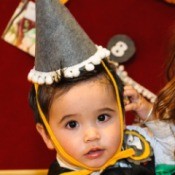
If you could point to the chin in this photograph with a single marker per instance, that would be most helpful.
(96, 164)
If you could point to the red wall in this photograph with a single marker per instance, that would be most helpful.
(148, 22)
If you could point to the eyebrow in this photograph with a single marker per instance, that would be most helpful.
(63, 118)
(107, 109)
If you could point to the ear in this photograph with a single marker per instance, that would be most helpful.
(41, 130)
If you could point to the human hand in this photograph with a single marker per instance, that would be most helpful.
(136, 102)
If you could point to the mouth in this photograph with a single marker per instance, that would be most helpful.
(94, 153)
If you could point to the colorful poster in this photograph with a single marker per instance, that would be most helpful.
(20, 30)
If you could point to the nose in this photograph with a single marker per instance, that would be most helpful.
(91, 134)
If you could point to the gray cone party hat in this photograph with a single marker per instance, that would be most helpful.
(61, 44)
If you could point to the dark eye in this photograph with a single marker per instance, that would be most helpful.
(72, 124)
(103, 117)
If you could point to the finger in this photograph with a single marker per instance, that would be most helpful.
(126, 87)
(131, 107)
(132, 93)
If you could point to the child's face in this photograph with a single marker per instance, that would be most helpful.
(86, 123)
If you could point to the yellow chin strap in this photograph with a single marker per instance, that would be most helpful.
(88, 170)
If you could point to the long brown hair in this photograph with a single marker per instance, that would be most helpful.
(165, 104)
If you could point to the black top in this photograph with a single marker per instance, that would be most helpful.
(130, 169)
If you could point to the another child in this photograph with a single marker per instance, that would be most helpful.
(77, 100)
(159, 118)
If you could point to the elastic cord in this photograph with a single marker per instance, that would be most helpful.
(87, 170)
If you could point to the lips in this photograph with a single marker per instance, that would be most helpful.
(94, 153)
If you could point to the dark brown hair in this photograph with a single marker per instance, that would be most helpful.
(46, 92)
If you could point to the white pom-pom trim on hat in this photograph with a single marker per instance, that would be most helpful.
(70, 72)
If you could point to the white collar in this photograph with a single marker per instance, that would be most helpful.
(65, 164)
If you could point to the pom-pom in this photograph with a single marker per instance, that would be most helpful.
(96, 60)
(49, 80)
(89, 67)
(41, 80)
(75, 72)
(68, 73)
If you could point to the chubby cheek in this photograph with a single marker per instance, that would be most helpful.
(113, 138)
(70, 142)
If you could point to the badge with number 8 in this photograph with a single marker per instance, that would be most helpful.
(122, 48)
(119, 49)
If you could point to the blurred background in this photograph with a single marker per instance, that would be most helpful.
(150, 24)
